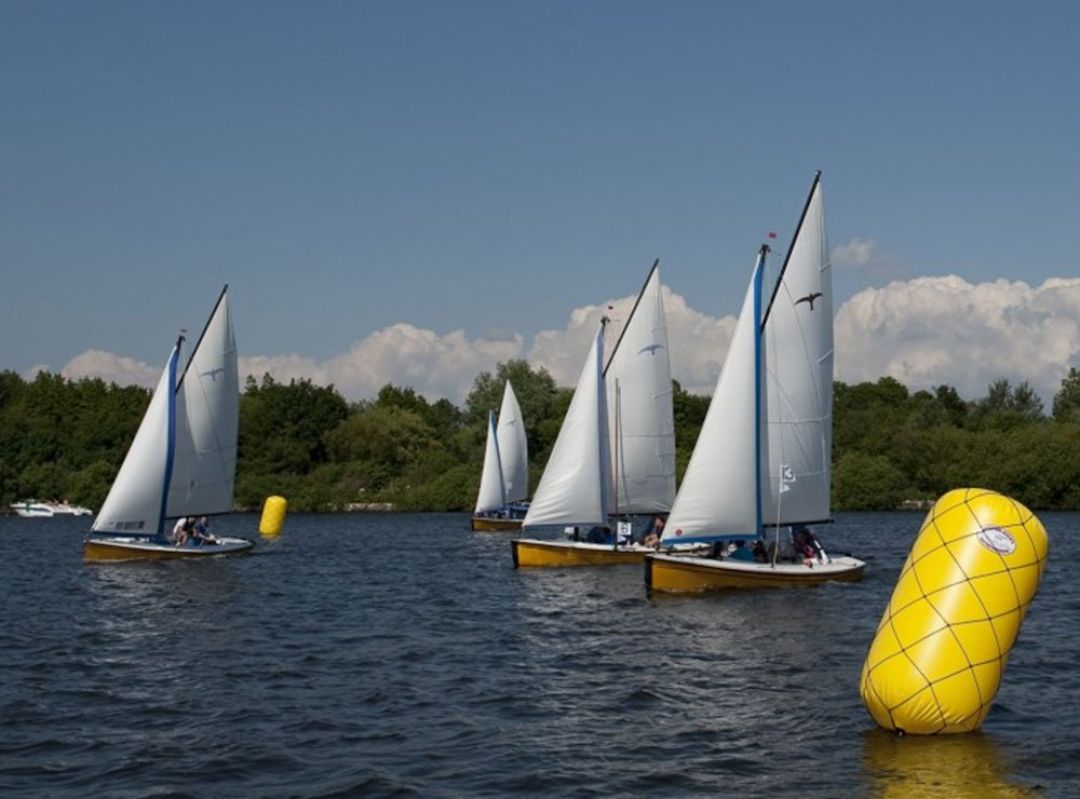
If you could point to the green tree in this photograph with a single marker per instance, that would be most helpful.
(867, 482)
(1067, 399)
(282, 427)
(540, 400)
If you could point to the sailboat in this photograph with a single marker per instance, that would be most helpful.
(504, 481)
(615, 452)
(762, 463)
(182, 462)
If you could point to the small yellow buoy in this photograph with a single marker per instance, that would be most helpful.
(273, 516)
(937, 659)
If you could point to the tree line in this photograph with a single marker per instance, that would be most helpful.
(65, 439)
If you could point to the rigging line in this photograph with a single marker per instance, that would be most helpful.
(630, 318)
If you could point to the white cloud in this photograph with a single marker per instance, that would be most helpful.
(857, 252)
(111, 367)
(435, 366)
(934, 330)
(924, 332)
(699, 342)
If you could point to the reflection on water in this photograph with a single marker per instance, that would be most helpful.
(967, 766)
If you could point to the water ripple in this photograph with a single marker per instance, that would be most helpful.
(402, 656)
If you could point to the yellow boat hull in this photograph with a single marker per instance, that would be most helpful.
(529, 553)
(104, 550)
(484, 524)
(690, 575)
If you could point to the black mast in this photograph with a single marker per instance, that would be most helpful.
(787, 255)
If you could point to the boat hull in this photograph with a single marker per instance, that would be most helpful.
(135, 548)
(484, 524)
(532, 553)
(676, 575)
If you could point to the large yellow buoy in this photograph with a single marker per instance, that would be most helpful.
(937, 659)
(273, 516)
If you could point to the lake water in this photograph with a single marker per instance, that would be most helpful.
(401, 655)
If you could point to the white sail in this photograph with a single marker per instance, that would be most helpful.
(576, 485)
(718, 495)
(207, 411)
(134, 503)
(513, 447)
(798, 342)
(492, 495)
(639, 397)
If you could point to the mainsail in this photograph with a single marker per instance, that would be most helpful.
(797, 333)
(513, 448)
(639, 398)
(207, 423)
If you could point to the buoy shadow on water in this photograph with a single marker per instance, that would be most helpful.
(937, 767)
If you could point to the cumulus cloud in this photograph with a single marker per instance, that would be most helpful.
(698, 342)
(434, 365)
(934, 330)
(857, 252)
(923, 332)
(111, 367)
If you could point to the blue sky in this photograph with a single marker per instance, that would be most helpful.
(490, 166)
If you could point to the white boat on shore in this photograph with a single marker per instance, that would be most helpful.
(31, 509)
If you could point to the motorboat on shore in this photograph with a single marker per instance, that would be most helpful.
(32, 509)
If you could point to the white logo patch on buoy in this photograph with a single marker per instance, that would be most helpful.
(997, 540)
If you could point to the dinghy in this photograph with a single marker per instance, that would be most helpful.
(504, 482)
(761, 465)
(182, 462)
(615, 452)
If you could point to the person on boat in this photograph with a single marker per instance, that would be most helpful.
(739, 551)
(600, 535)
(806, 545)
(183, 530)
(201, 533)
(653, 532)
